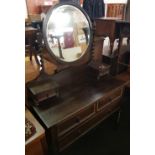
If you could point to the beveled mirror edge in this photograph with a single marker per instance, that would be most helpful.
(88, 50)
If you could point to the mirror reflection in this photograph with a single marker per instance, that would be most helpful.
(68, 33)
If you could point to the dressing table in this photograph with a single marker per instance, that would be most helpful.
(84, 98)
(80, 108)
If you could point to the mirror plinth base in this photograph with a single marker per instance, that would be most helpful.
(99, 70)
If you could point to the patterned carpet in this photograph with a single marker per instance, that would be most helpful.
(30, 130)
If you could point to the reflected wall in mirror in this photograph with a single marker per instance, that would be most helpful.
(67, 32)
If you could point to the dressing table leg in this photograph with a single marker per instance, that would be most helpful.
(36, 59)
(116, 121)
(30, 53)
(118, 117)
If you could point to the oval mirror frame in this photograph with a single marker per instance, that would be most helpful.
(87, 52)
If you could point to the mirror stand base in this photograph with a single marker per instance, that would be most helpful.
(99, 69)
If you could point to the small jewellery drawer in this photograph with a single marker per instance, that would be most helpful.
(110, 98)
(74, 120)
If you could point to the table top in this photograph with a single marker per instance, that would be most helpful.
(74, 97)
(112, 27)
(115, 19)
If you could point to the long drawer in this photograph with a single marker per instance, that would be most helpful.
(72, 136)
(68, 138)
(75, 120)
(116, 94)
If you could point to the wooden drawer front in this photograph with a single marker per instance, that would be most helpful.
(75, 134)
(67, 140)
(114, 105)
(110, 98)
(70, 137)
(73, 121)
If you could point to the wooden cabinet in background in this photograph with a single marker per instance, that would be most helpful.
(116, 10)
(34, 6)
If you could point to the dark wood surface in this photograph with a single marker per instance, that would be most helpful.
(73, 97)
(83, 103)
(109, 26)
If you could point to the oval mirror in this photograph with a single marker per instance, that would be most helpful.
(67, 33)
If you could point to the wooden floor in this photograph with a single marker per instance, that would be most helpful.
(32, 69)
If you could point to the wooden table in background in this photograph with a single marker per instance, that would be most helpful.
(30, 37)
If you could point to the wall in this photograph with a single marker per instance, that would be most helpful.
(34, 6)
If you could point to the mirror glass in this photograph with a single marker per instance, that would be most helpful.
(67, 33)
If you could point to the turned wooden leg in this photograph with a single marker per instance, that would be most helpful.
(30, 52)
(36, 59)
(33, 51)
